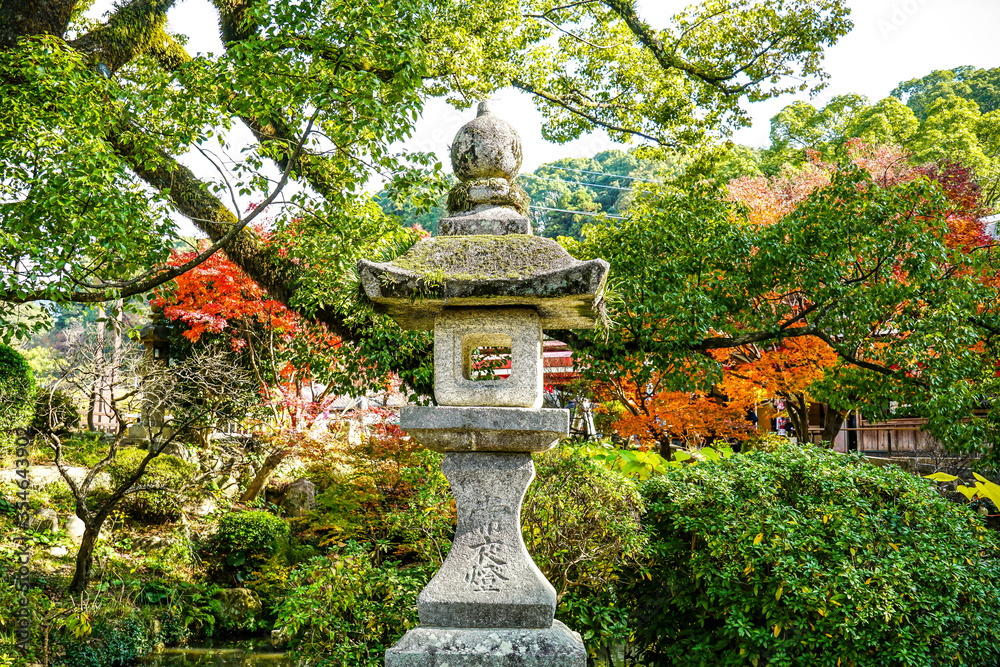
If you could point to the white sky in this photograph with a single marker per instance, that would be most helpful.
(893, 40)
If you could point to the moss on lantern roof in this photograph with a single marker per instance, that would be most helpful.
(511, 256)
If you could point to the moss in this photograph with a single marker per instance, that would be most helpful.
(515, 197)
(512, 256)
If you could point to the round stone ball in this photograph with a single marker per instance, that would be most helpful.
(486, 147)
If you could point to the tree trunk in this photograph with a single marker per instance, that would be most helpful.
(97, 390)
(832, 424)
(798, 414)
(270, 463)
(85, 558)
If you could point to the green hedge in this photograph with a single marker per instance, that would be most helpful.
(17, 394)
(805, 557)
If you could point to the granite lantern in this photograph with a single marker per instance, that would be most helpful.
(485, 282)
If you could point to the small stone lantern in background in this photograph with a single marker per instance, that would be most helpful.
(486, 283)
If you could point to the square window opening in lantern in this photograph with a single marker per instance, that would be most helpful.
(486, 357)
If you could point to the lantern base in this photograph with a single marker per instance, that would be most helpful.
(426, 646)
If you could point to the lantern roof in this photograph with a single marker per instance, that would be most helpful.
(485, 253)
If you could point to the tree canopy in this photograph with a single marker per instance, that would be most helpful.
(96, 118)
(879, 271)
(946, 116)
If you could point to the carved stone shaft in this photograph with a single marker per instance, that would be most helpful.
(488, 579)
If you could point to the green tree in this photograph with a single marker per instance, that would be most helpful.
(95, 114)
(801, 126)
(884, 272)
(981, 86)
(943, 119)
(888, 121)
(601, 184)
(955, 130)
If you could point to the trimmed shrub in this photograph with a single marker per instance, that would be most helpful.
(55, 412)
(805, 557)
(166, 471)
(251, 531)
(17, 394)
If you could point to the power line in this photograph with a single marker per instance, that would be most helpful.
(566, 210)
(592, 185)
(600, 173)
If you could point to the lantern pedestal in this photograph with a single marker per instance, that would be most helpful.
(488, 579)
(484, 429)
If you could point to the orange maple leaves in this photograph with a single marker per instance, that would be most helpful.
(216, 294)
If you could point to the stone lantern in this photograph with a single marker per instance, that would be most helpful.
(486, 283)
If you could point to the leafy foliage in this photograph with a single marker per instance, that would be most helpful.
(580, 521)
(244, 540)
(17, 393)
(948, 117)
(366, 606)
(389, 493)
(801, 556)
(168, 473)
(71, 205)
(981, 86)
(875, 262)
(113, 642)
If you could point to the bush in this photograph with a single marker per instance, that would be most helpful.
(55, 412)
(112, 643)
(251, 531)
(17, 394)
(165, 470)
(764, 441)
(388, 492)
(581, 524)
(580, 520)
(366, 607)
(803, 557)
(244, 541)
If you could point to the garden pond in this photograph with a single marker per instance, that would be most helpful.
(229, 653)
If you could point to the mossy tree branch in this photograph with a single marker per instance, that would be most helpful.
(128, 33)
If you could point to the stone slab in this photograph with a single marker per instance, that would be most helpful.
(485, 429)
(491, 271)
(423, 646)
(459, 331)
(488, 579)
(495, 220)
